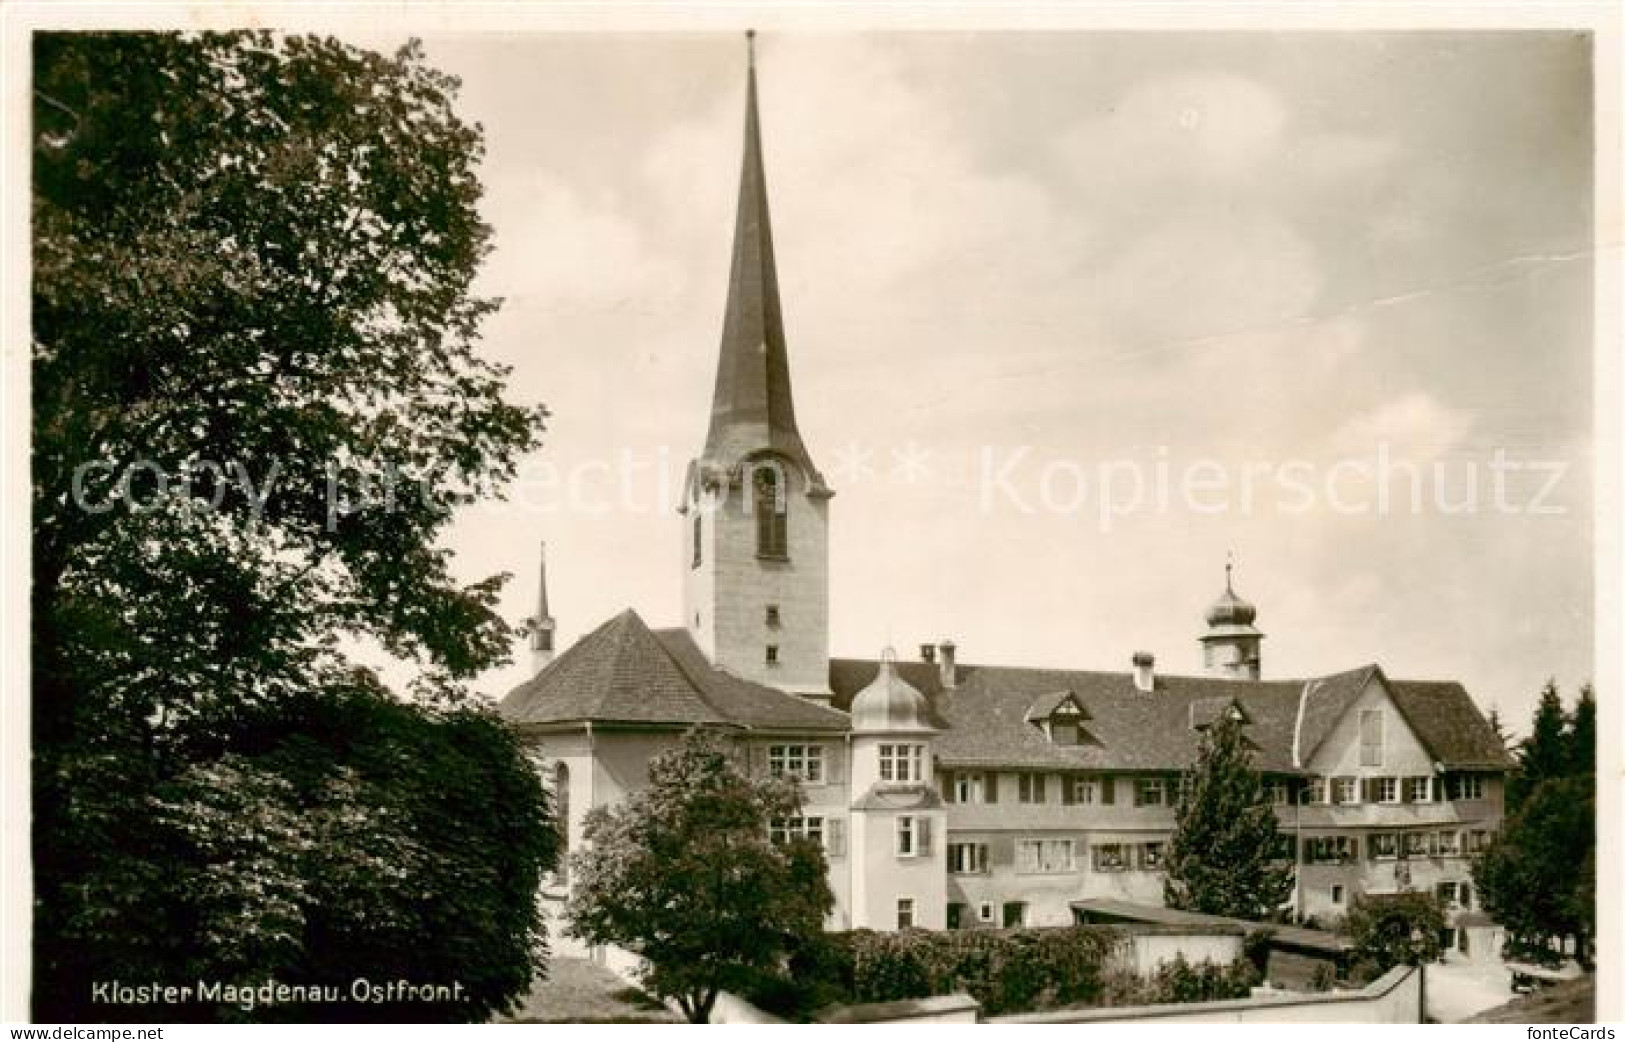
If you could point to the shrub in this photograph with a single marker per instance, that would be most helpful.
(1007, 971)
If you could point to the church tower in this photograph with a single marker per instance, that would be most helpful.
(755, 508)
(1230, 647)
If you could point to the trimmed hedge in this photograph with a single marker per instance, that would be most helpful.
(1006, 971)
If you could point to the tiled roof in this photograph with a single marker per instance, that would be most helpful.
(1453, 729)
(747, 704)
(1325, 701)
(988, 716)
(623, 672)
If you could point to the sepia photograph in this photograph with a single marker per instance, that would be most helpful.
(756, 517)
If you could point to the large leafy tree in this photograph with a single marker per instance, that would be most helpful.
(683, 873)
(257, 404)
(1538, 877)
(1224, 855)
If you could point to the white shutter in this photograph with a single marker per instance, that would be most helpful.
(835, 837)
(835, 764)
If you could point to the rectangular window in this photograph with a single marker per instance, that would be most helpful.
(1063, 732)
(1030, 787)
(1150, 792)
(797, 761)
(1466, 787)
(906, 845)
(902, 763)
(967, 787)
(1015, 914)
(1416, 844)
(1346, 790)
(905, 913)
(984, 911)
(1279, 795)
(1111, 857)
(1044, 856)
(1151, 856)
(698, 518)
(1337, 893)
(772, 614)
(1328, 850)
(781, 830)
(967, 859)
(1370, 738)
(1387, 790)
(772, 655)
(1447, 894)
(1319, 792)
(1449, 844)
(1419, 790)
(1384, 846)
(1085, 790)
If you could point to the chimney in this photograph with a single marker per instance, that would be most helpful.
(945, 665)
(928, 652)
(1145, 677)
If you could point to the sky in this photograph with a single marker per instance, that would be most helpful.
(1028, 278)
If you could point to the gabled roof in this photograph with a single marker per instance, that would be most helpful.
(1451, 726)
(623, 672)
(987, 716)
(1046, 706)
(1325, 701)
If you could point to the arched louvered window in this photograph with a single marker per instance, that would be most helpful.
(772, 508)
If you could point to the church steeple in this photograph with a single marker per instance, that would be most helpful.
(541, 624)
(755, 509)
(752, 409)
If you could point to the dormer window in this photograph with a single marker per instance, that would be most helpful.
(772, 508)
(1063, 732)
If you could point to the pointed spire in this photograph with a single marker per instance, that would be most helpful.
(752, 408)
(541, 582)
(541, 624)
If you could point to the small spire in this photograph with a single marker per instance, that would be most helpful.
(1229, 566)
(541, 583)
(750, 48)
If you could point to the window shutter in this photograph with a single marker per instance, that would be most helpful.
(837, 836)
(945, 782)
(1139, 793)
(1002, 850)
(924, 825)
(835, 764)
(1068, 783)
(1368, 790)
(1108, 790)
(1038, 788)
(992, 786)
